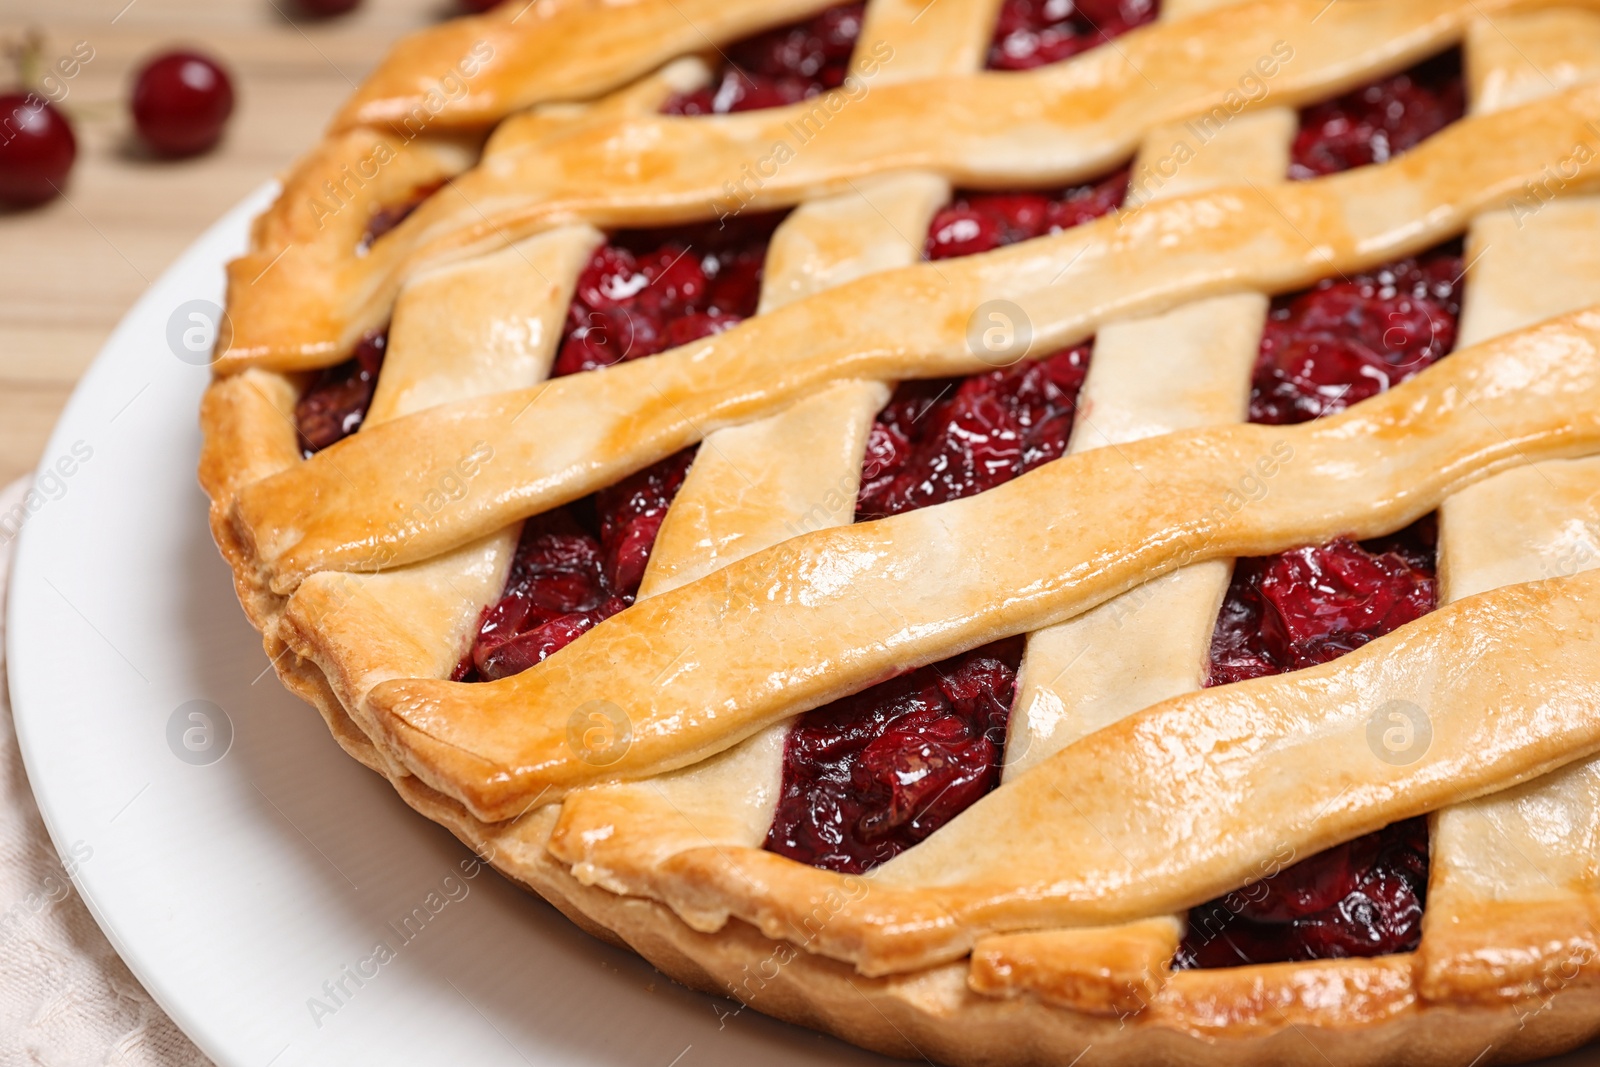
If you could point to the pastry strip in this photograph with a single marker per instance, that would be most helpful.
(1190, 367)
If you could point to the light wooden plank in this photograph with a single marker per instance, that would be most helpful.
(70, 270)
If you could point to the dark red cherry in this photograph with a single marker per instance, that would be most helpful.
(1363, 898)
(965, 436)
(36, 149)
(1313, 604)
(181, 103)
(778, 67)
(868, 776)
(477, 7)
(963, 231)
(1031, 33)
(982, 221)
(1379, 121)
(1350, 338)
(336, 403)
(694, 326)
(575, 567)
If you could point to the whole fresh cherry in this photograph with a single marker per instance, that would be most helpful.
(478, 7)
(36, 149)
(326, 8)
(181, 102)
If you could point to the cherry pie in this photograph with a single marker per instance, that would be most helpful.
(1041, 531)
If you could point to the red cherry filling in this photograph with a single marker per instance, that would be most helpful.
(1381, 120)
(940, 440)
(575, 567)
(980, 222)
(1362, 898)
(781, 66)
(1031, 33)
(1313, 604)
(1322, 351)
(645, 291)
(389, 216)
(1351, 338)
(868, 776)
(336, 403)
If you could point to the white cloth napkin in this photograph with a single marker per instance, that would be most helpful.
(66, 997)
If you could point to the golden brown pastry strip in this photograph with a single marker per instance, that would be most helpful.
(695, 669)
(354, 507)
(1057, 123)
(1102, 970)
(472, 72)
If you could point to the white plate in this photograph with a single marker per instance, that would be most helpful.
(244, 884)
(236, 888)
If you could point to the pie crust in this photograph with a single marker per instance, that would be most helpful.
(1040, 925)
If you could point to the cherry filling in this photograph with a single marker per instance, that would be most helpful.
(868, 776)
(1361, 898)
(1323, 350)
(781, 66)
(645, 291)
(944, 439)
(1282, 613)
(871, 775)
(979, 222)
(1381, 120)
(1031, 33)
(337, 401)
(575, 567)
(1351, 338)
(642, 292)
(389, 216)
(1313, 604)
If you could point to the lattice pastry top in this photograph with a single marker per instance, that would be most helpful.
(778, 480)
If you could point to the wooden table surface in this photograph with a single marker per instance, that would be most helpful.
(69, 270)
